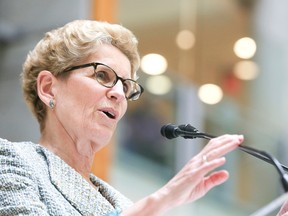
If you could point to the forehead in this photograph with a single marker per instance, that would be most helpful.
(114, 58)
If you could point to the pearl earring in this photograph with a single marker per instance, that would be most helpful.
(51, 104)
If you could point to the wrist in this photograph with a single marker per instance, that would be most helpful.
(155, 204)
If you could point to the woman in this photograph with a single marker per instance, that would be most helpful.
(78, 81)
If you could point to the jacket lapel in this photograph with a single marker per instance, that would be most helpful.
(114, 197)
(86, 199)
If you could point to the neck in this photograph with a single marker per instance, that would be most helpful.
(78, 154)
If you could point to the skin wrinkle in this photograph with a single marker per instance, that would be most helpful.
(92, 145)
(81, 93)
(79, 125)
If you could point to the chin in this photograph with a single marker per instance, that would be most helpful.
(97, 144)
(102, 135)
(104, 139)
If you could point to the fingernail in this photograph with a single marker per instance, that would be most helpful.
(241, 137)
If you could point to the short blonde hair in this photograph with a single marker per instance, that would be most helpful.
(69, 45)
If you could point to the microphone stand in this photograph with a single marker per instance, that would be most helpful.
(192, 133)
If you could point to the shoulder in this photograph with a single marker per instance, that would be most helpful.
(14, 155)
(19, 178)
(19, 162)
(8, 148)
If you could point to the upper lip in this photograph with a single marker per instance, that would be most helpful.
(110, 112)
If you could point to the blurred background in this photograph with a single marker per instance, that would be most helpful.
(219, 65)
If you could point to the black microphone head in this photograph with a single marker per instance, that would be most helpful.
(169, 131)
(186, 131)
(188, 127)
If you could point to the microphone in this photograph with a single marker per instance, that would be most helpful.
(187, 131)
(171, 131)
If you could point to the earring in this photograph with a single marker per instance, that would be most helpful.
(51, 104)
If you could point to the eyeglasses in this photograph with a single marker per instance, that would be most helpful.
(107, 77)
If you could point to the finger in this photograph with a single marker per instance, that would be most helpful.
(215, 179)
(221, 151)
(222, 146)
(200, 160)
(224, 140)
(207, 183)
(204, 168)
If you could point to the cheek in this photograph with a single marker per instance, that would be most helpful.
(77, 98)
(85, 91)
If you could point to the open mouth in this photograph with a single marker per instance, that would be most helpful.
(109, 114)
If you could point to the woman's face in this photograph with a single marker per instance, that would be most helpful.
(86, 110)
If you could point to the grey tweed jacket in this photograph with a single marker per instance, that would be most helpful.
(34, 181)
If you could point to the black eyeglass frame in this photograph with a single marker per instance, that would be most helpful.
(95, 64)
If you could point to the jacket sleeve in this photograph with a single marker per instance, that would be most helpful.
(114, 213)
(18, 189)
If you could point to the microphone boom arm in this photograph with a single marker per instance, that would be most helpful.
(249, 150)
(186, 132)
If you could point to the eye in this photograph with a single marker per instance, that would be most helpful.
(125, 87)
(102, 77)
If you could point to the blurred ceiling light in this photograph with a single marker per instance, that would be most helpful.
(185, 39)
(245, 48)
(210, 94)
(153, 64)
(246, 70)
(158, 85)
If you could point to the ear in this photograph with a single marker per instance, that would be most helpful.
(45, 83)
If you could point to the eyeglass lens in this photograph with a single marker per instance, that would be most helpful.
(108, 78)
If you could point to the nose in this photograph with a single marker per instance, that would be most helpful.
(117, 92)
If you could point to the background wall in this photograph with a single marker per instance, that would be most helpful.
(256, 108)
(22, 24)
